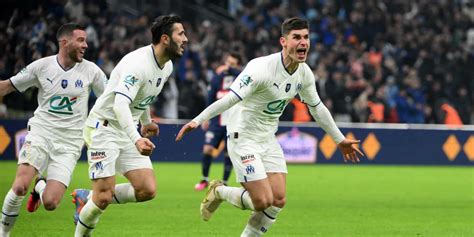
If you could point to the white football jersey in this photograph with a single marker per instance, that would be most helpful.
(265, 88)
(63, 94)
(138, 77)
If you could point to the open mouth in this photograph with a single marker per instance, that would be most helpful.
(301, 52)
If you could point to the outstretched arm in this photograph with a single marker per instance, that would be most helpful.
(214, 109)
(6, 87)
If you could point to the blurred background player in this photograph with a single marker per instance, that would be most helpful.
(259, 96)
(53, 144)
(113, 142)
(216, 131)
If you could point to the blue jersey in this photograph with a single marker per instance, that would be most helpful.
(220, 85)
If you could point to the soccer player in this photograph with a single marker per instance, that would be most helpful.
(259, 96)
(114, 144)
(216, 131)
(53, 144)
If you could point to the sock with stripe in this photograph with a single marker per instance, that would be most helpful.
(88, 219)
(260, 222)
(10, 210)
(238, 197)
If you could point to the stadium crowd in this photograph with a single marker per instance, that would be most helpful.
(391, 61)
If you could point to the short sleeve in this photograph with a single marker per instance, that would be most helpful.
(247, 82)
(99, 82)
(129, 85)
(308, 93)
(26, 78)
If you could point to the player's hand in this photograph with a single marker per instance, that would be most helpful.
(145, 146)
(349, 150)
(185, 129)
(205, 125)
(150, 130)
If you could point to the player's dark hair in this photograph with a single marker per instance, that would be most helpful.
(163, 25)
(236, 55)
(67, 29)
(293, 23)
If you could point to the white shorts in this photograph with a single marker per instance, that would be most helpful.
(111, 150)
(51, 153)
(252, 160)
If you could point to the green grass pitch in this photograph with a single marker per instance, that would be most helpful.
(322, 200)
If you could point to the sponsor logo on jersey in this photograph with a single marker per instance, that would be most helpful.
(50, 80)
(250, 169)
(288, 87)
(276, 107)
(247, 158)
(79, 83)
(145, 102)
(130, 80)
(61, 105)
(64, 83)
(97, 155)
(245, 81)
(276, 85)
(23, 71)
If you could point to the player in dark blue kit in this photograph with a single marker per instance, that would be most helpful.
(216, 130)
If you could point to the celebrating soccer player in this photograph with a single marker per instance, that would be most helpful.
(114, 144)
(53, 144)
(259, 96)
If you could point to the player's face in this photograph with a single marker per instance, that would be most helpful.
(297, 44)
(232, 62)
(76, 45)
(177, 41)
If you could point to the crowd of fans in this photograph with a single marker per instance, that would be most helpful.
(391, 61)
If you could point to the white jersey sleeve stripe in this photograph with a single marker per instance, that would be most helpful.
(120, 93)
(236, 94)
(313, 105)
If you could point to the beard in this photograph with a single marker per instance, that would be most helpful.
(74, 56)
(173, 50)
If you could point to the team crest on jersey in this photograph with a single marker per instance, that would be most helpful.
(299, 87)
(158, 82)
(79, 83)
(250, 169)
(288, 87)
(64, 83)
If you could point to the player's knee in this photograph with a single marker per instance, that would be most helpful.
(146, 194)
(263, 203)
(20, 189)
(279, 202)
(103, 199)
(51, 203)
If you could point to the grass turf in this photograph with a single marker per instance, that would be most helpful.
(322, 200)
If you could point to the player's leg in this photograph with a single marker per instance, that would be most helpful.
(59, 172)
(211, 142)
(261, 221)
(103, 191)
(13, 200)
(142, 186)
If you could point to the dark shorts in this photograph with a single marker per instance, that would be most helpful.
(214, 135)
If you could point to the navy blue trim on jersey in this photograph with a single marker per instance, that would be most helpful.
(65, 70)
(156, 60)
(283, 64)
(13, 85)
(9, 215)
(82, 223)
(120, 93)
(115, 197)
(236, 94)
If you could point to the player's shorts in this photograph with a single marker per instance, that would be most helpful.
(252, 160)
(110, 150)
(214, 135)
(51, 153)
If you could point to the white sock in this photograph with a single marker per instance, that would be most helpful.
(10, 210)
(124, 193)
(238, 197)
(88, 219)
(260, 222)
(39, 188)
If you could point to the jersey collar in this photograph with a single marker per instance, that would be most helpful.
(283, 65)
(64, 69)
(156, 60)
